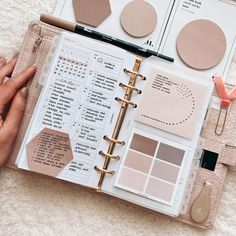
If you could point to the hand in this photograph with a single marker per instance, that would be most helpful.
(12, 90)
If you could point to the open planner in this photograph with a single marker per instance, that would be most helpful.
(140, 130)
(80, 117)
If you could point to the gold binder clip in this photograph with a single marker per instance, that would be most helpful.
(130, 87)
(135, 73)
(103, 154)
(105, 137)
(126, 101)
(99, 169)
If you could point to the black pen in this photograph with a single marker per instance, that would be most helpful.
(102, 37)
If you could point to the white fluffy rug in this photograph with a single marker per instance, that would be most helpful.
(32, 204)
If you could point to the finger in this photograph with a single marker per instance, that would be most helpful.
(2, 61)
(11, 86)
(7, 69)
(12, 122)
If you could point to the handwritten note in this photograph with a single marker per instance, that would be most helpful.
(171, 103)
(49, 152)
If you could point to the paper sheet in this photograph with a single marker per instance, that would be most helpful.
(79, 100)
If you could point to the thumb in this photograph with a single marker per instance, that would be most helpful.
(15, 114)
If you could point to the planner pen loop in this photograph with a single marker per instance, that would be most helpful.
(226, 100)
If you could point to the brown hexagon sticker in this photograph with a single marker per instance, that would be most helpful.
(49, 152)
(91, 12)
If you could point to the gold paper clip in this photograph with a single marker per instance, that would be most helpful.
(217, 131)
(135, 73)
(221, 130)
(226, 99)
(112, 140)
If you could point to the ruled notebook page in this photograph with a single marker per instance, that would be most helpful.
(77, 107)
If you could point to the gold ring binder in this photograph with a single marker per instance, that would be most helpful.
(105, 137)
(113, 140)
(102, 170)
(131, 87)
(103, 154)
(135, 73)
(126, 101)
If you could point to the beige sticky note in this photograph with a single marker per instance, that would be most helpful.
(138, 18)
(171, 103)
(49, 152)
(201, 44)
(91, 12)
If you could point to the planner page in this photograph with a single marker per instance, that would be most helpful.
(76, 108)
(114, 26)
(200, 35)
(197, 34)
(161, 137)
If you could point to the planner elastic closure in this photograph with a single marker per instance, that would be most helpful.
(125, 102)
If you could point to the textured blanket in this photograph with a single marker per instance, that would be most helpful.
(32, 204)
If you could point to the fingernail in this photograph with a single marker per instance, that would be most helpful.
(24, 92)
(16, 55)
(34, 66)
(2, 59)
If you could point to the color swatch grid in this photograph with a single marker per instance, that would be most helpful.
(152, 168)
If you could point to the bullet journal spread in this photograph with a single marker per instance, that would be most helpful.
(95, 123)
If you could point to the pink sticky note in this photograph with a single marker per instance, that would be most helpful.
(49, 152)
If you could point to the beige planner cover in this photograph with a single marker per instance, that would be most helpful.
(35, 48)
